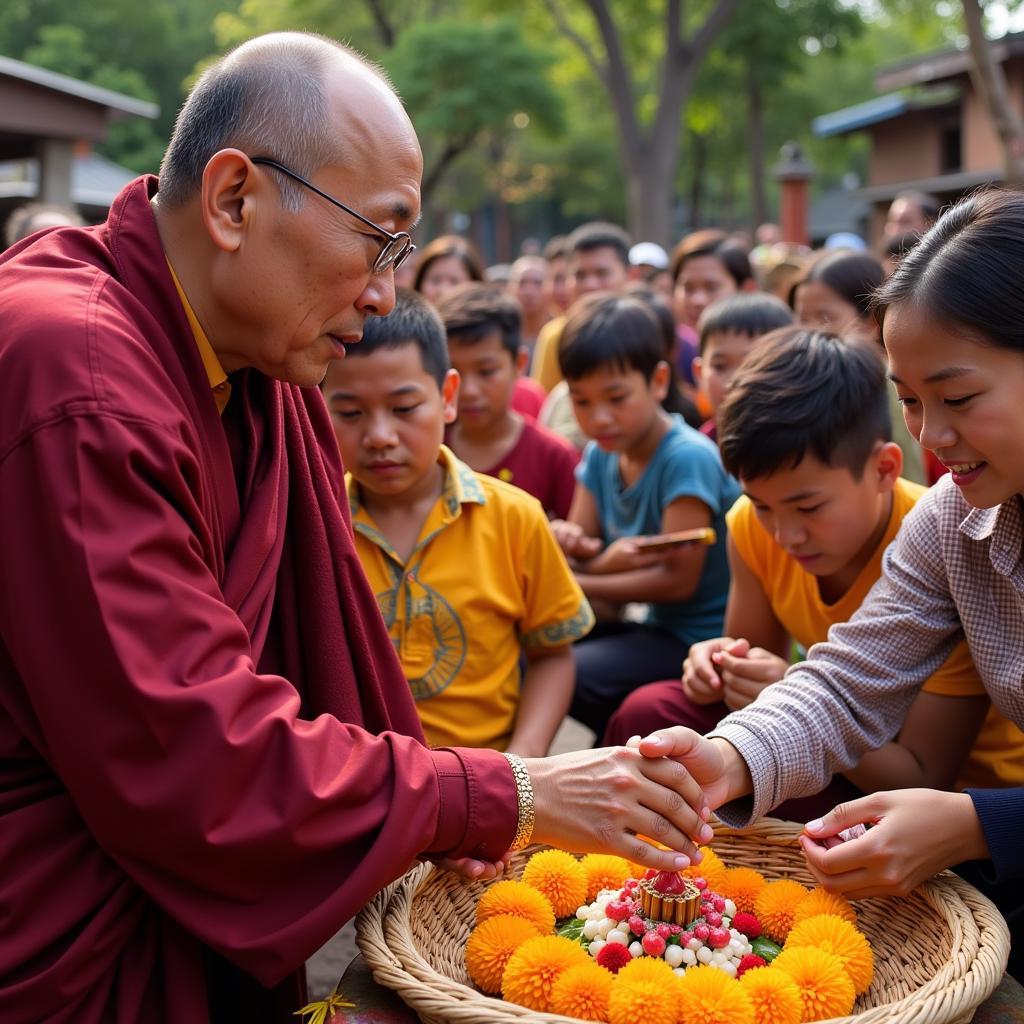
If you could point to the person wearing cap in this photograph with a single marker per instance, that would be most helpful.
(648, 263)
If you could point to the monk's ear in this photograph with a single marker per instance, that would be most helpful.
(231, 187)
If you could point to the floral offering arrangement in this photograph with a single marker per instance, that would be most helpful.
(604, 940)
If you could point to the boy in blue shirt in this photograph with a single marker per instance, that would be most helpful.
(644, 473)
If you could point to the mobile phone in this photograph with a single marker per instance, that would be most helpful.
(667, 541)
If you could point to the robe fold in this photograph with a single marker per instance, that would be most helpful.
(209, 757)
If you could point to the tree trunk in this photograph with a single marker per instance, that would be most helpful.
(700, 159)
(990, 84)
(650, 190)
(755, 150)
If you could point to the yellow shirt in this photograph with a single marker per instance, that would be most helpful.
(214, 371)
(485, 581)
(998, 755)
(545, 369)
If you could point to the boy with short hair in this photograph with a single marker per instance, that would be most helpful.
(464, 567)
(728, 331)
(644, 472)
(805, 428)
(484, 344)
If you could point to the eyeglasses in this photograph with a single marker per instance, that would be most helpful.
(396, 248)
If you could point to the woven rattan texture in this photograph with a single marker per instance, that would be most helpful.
(939, 953)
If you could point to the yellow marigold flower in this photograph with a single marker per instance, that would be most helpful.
(743, 886)
(825, 987)
(774, 995)
(532, 969)
(519, 900)
(834, 935)
(709, 996)
(820, 901)
(640, 999)
(647, 968)
(560, 877)
(775, 906)
(604, 871)
(710, 868)
(490, 945)
(583, 991)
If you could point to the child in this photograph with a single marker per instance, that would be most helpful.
(643, 473)
(485, 348)
(953, 323)
(805, 428)
(835, 295)
(728, 330)
(465, 569)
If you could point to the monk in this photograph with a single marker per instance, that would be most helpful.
(209, 757)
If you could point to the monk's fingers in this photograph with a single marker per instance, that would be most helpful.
(637, 849)
(678, 784)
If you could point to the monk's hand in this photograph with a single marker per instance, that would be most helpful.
(714, 765)
(475, 870)
(605, 800)
(912, 835)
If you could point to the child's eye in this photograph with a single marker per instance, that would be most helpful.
(404, 410)
(906, 402)
(346, 414)
(956, 402)
(813, 508)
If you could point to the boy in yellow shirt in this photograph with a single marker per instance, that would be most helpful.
(805, 428)
(465, 569)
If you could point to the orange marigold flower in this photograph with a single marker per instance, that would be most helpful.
(647, 968)
(825, 987)
(604, 871)
(710, 868)
(583, 991)
(834, 935)
(821, 901)
(640, 999)
(709, 996)
(490, 945)
(519, 900)
(742, 886)
(560, 877)
(775, 906)
(532, 969)
(775, 996)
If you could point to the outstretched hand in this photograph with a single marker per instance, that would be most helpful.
(714, 765)
(605, 800)
(913, 834)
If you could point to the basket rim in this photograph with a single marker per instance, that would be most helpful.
(960, 986)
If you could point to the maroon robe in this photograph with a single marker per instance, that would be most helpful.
(209, 757)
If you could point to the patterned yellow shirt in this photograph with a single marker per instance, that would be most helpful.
(485, 581)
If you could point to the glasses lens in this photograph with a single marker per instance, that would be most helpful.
(394, 253)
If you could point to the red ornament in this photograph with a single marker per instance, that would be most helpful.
(748, 962)
(614, 956)
(747, 924)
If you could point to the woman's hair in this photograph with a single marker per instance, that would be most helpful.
(611, 330)
(449, 246)
(967, 269)
(854, 276)
(718, 245)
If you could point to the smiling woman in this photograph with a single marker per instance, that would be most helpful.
(952, 318)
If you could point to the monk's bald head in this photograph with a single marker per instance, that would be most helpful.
(278, 96)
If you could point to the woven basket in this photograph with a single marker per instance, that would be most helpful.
(939, 952)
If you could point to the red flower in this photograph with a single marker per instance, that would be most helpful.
(748, 924)
(748, 962)
(614, 956)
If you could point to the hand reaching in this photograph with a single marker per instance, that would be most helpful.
(913, 834)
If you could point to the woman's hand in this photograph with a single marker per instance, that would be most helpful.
(914, 834)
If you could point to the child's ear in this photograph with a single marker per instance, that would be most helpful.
(697, 369)
(450, 395)
(660, 380)
(522, 359)
(750, 285)
(888, 464)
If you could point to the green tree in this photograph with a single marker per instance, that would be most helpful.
(463, 81)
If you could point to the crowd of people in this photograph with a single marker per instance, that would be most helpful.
(750, 513)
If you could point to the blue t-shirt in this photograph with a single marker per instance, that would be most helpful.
(684, 465)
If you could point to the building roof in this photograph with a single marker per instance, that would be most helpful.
(882, 108)
(942, 65)
(95, 180)
(958, 182)
(117, 102)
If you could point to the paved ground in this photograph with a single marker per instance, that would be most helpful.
(328, 965)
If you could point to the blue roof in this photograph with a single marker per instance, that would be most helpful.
(860, 115)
